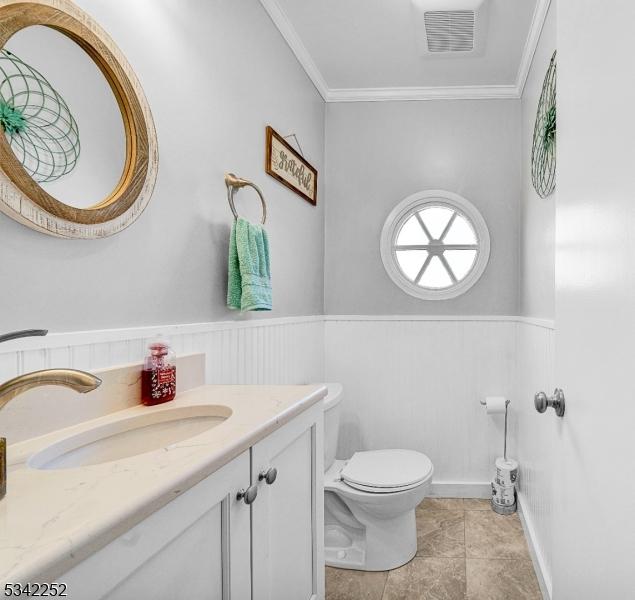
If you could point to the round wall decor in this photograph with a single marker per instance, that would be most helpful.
(543, 152)
(29, 104)
(37, 122)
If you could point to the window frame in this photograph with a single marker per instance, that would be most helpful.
(415, 203)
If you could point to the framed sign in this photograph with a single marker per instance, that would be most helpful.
(289, 168)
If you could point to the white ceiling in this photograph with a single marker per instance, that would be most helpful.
(367, 49)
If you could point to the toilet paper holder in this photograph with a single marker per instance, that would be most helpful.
(507, 403)
(542, 402)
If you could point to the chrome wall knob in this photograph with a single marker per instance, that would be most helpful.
(247, 495)
(542, 402)
(269, 475)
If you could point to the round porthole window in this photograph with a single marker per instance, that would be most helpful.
(435, 245)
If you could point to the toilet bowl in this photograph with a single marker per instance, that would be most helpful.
(370, 500)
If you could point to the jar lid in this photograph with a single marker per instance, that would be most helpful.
(160, 346)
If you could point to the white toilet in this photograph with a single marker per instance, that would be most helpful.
(370, 500)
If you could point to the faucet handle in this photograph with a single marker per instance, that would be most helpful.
(14, 335)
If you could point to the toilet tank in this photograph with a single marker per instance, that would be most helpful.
(332, 410)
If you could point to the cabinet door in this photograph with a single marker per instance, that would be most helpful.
(287, 515)
(197, 547)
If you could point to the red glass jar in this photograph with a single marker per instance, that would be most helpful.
(158, 378)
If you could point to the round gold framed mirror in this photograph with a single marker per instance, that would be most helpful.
(126, 166)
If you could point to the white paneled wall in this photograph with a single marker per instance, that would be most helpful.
(409, 382)
(413, 382)
(537, 436)
(416, 382)
(276, 351)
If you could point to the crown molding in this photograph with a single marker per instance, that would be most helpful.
(533, 37)
(480, 92)
(290, 35)
(467, 92)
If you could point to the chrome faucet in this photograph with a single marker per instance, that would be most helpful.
(80, 381)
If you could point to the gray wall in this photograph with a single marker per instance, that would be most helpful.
(537, 235)
(215, 73)
(379, 153)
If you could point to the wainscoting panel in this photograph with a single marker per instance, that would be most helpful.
(409, 382)
(275, 351)
(537, 437)
(416, 383)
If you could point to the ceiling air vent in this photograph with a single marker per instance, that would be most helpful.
(449, 30)
(450, 27)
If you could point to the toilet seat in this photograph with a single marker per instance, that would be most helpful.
(386, 471)
(379, 490)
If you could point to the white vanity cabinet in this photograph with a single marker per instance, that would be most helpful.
(207, 544)
(288, 515)
(195, 547)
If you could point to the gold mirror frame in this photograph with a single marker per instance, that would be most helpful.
(20, 196)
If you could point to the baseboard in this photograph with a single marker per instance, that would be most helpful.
(460, 489)
(534, 550)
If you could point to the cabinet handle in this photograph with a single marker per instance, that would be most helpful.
(247, 495)
(269, 475)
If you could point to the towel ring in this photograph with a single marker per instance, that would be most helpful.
(233, 183)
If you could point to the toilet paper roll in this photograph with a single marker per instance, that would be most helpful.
(508, 464)
(503, 495)
(506, 471)
(495, 405)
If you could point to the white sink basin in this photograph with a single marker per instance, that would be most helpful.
(131, 436)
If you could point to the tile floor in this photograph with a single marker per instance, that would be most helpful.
(465, 552)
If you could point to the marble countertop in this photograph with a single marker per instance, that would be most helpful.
(50, 520)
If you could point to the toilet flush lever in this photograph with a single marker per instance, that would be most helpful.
(542, 402)
(269, 475)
